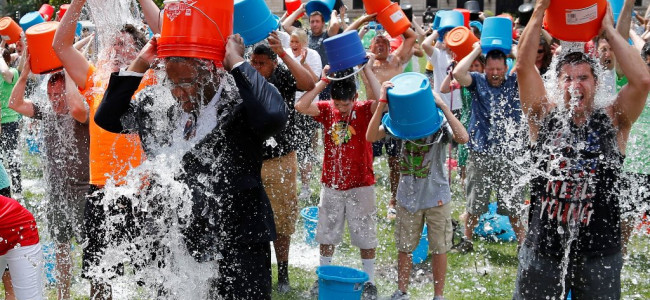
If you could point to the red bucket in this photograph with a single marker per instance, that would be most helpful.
(62, 9)
(575, 20)
(9, 30)
(394, 20)
(42, 58)
(46, 11)
(198, 29)
(293, 5)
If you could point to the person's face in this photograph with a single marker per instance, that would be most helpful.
(495, 71)
(606, 55)
(579, 87)
(263, 64)
(540, 54)
(295, 44)
(345, 106)
(316, 24)
(56, 94)
(476, 66)
(380, 47)
(19, 47)
(122, 51)
(188, 82)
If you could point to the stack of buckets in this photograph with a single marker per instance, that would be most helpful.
(254, 21)
(389, 14)
(198, 30)
(575, 20)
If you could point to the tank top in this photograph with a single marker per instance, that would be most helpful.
(574, 191)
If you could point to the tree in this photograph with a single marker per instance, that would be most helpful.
(21, 6)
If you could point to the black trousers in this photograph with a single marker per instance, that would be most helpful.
(244, 272)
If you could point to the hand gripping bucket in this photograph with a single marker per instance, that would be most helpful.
(375, 6)
(465, 13)
(62, 9)
(345, 51)
(422, 250)
(9, 30)
(325, 7)
(340, 283)
(30, 19)
(497, 35)
(47, 12)
(575, 20)
(197, 29)
(310, 222)
(293, 5)
(394, 20)
(254, 20)
(412, 111)
(42, 59)
(460, 41)
(448, 21)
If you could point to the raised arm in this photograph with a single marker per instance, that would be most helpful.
(334, 25)
(75, 101)
(429, 43)
(73, 60)
(360, 21)
(287, 24)
(405, 50)
(304, 80)
(151, 15)
(306, 104)
(461, 72)
(375, 132)
(459, 133)
(17, 99)
(623, 26)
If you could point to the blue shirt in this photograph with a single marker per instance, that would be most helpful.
(495, 125)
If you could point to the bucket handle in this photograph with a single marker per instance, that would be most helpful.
(199, 10)
(423, 85)
(348, 76)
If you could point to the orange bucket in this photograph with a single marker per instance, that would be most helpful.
(575, 20)
(465, 13)
(62, 9)
(293, 5)
(394, 20)
(9, 30)
(375, 6)
(198, 29)
(42, 59)
(460, 41)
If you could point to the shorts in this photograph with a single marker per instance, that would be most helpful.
(393, 147)
(408, 228)
(26, 268)
(635, 194)
(279, 179)
(588, 277)
(356, 206)
(65, 212)
(486, 175)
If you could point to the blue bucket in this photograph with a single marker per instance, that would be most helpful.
(253, 20)
(345, 51)
(422, 250)
(310, 219)
(340, 283)
(324, 6)
(450, 20)
(49, 259)
(412, 111)
(436, 20)
(617, 6)
(496, 35)
(79, 30)
(494, 226)
(30, 19)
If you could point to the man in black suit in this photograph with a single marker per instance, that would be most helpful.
(219, 131)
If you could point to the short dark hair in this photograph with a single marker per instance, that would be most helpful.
(576, 58)
(56, 77)
(317, 13)
(495, 55)
(645, 51)
(137, 35)
(344, 89)
(264, 49)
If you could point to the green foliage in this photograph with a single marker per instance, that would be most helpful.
(20, 6)
(57, 3)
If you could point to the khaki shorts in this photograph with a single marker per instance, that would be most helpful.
(357, 206)
(279, 179)
(408, 228)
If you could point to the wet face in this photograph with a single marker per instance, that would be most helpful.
(345, 106)
(122, 51)
(605, 54)
(579, 87)
(189, 83)
(476, 66)
(316, 24)
(380, 47)
(56, 94)
(263, 64)
(495, 71)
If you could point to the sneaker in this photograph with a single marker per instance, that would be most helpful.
(465, 246)
(391, 214)
(399, 295)
(313, 292)
(369, 291)
(283, 287)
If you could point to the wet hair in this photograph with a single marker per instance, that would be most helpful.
(56, 78)
(576, 58)
(645, 51)
(6, 55)
(495, 55)
(137, 35)
(302, 36)
(344, 89)
(317, 13)
(600, 37)
(264, 49)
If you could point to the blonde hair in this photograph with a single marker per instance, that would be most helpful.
(301, 35)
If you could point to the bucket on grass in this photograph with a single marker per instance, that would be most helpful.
(325, 7)
(62, 9)
(253, 20)
(198, 30)
(293, 5)
(394, 20)
(494, 226)
(460, 41)
(448, 21)
(340, 283)
(9, 30)
(422, 250)
(47, 12)
(49, 260)
(42, 58)
(575, 20)
(345, 51)
(496, 35)
(412, 111)
(30, 19)
(310, 219)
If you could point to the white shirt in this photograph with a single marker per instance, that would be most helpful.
(312, 60)
(440, 61)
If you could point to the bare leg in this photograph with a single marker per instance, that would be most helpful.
(281, 245)
(470, 224)
(439, 269)
(627, 226)
(63, 271)
(327, 250)
(366, 253)
(518, 228)
(393, 164)
(404, 265)
(9, 289)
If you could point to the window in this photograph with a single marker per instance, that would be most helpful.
(432, 3)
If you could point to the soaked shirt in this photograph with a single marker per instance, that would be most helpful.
(17, 226)
(574, 198)
(4, 178)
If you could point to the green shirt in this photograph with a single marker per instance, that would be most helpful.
(8, 115)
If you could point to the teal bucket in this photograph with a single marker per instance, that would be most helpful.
(412, 111)
(310, 219)
(496, 35)
(340, 283)
(448, 21)
(345, 51)
(617, 6)
(30, 19)
(325, 7)
(253, 21)
(422, 250)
